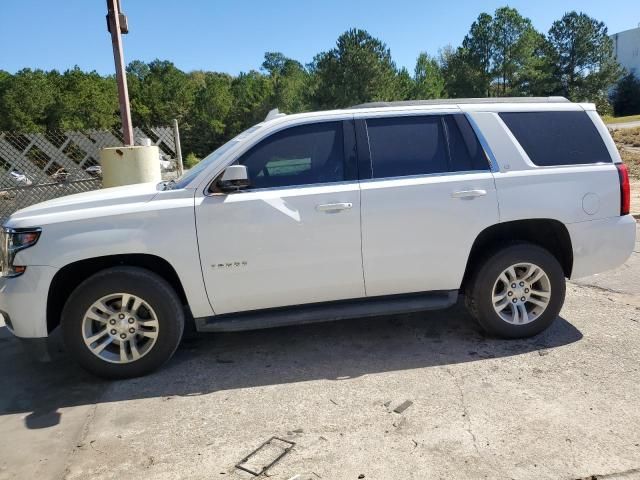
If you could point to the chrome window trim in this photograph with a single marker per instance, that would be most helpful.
(289, 187)
(427, 175)
(493, 163)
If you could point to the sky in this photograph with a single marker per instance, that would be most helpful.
(232, 36)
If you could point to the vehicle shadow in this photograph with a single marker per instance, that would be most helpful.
(209, 363)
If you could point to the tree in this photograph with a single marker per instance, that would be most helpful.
(160, 92)
(626, 95)
(428, 79)
(405, 87)
(359, 69)
(253, 97)
(461, 78)
(290, 82)
(583, 54)
(28, 100)
(210, 114)
(84, 100)
(479, 47)
(536, 76)
(514, 40)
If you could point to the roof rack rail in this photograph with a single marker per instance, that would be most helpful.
(456, 101)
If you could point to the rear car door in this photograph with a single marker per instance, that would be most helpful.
(430, 192)
(294, 236)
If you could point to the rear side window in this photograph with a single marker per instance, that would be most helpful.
(300, 155)
(465, 149)
(557, 138)
(407, 146)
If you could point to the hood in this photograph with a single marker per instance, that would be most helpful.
(83, 204)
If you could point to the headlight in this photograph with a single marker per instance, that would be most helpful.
(13, 240)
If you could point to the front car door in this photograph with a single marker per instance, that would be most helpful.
(430, 193)
(294, 236)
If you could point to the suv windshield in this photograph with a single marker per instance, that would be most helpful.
(212, 158)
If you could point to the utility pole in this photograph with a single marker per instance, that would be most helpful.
(117, 25)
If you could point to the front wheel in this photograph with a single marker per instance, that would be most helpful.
(122, 322)
(517, 291)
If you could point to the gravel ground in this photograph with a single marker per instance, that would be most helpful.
(561, 405)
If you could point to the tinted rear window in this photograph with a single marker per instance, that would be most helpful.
(466, 152)
(557, 138)
(407, 146)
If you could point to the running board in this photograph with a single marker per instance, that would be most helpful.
(327, 312)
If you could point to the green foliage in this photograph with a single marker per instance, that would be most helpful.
(213, 101)
(502, 54)
(84, 99)
(428, 78)
(462, 77)
(582, 53)
(290, 82)
(161, 91)
(626, 96)
(515, 41)
(28, 99)
(358, 70)
(191, 160)
(479, 49)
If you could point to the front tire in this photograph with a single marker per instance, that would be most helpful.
(517, 291)
(122, 322)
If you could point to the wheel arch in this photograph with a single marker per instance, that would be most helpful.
(70, 276)
(545, 232)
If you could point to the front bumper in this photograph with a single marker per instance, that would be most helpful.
(23, 301)
(601, 245)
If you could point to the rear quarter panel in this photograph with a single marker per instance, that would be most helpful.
(585, 198)
(569, 194)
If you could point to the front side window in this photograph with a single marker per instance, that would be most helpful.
(557, 138)
(301, 155)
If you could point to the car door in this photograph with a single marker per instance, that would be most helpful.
(293, 237)
(429, 195)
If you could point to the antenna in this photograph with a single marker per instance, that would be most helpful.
(275, 113)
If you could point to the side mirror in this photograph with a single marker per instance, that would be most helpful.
(234, 178)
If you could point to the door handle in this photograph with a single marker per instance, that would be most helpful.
(469, 194)
(334, 207)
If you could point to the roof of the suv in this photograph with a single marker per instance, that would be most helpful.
(492, 103)
(466, 101)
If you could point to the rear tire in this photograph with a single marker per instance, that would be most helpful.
(122, 322)
(517, 291)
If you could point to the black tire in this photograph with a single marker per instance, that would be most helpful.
(479, 291)
(158, 294)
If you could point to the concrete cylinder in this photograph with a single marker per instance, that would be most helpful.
(129, 165)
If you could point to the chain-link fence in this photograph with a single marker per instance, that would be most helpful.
(35, 167)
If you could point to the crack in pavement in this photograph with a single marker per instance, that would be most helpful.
(600, 288)
(465, 412)
(468, 427)
(80, 441)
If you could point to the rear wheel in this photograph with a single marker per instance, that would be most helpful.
(122, 322)
(517, 291)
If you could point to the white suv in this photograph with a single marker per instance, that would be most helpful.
(378, 209)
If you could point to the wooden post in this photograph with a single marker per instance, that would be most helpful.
(113, 19)
(176, 140)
